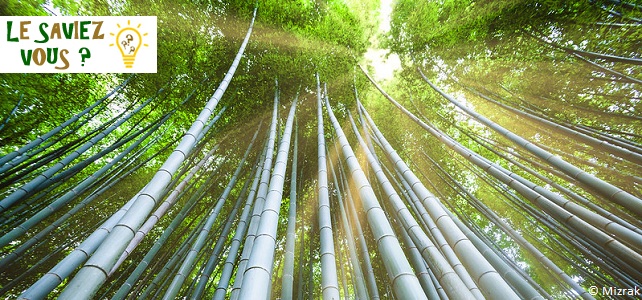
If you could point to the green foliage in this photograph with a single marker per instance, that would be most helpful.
(329, 21)
(417, 26)
(23, 8)
(477, 44)
(494, 47)
(46, 102)
(197, 40)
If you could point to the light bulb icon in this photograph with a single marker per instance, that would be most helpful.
(129, 40)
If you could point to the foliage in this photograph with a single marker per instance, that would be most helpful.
(197, 41)
(46, 102)
(445, 23)
(25, 8)
(504, 49)
(327, 21)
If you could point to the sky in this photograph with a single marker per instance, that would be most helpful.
(383, 67)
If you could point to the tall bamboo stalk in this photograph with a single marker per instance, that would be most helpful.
(162, 209)
(159, 243)
(287, 285)
(259, 203)
(10, 157)
(606, 189)
(12, 112)
(215, 256)
(239, 233)
(94, 273)
(404, 282)
(488, 279)
(329, 279)
(360, 284)
(453, 277)
(257, 277)
(623, 255)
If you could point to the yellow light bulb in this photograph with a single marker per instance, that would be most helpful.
(129, 41)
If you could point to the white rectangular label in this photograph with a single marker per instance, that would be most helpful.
(123, 44)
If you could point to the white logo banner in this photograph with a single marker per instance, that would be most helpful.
(123, 44)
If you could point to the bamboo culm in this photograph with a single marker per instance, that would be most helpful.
(360, 285)
(404, 282)
(329, 280)
(257, 276)
(239, 233)
(93, 274)
(29, 187)
(44, 137)
(260, 199)
(487, 278)
(287, 285)
(171, 199)
(590, 232)
(607, 190)
(453, 281)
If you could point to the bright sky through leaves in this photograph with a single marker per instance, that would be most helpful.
(384, 67)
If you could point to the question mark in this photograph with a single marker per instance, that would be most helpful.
(85, 55)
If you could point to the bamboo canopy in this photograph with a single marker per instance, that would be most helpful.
(466, 173)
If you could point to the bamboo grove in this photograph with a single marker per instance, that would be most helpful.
(419, 188)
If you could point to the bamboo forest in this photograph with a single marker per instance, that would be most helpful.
(337, 149)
